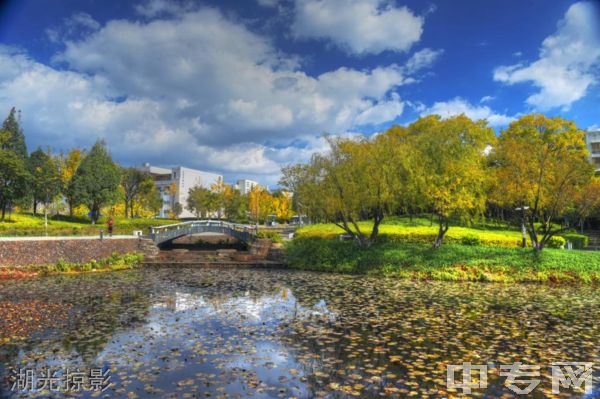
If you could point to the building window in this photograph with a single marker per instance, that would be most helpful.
(596, 147)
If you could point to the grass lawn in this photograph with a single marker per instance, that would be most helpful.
(405, 250)
(420, 230)
(26, 224)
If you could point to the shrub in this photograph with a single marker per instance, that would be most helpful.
(556, 242)
(579, 241)
(270, 234)
(471, 239)
(62, 266)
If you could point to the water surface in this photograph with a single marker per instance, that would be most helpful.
(279, 334)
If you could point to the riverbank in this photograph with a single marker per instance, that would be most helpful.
(451, 262)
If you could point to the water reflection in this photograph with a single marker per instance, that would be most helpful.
(261, 333)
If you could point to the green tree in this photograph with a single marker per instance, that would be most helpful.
(68, 165)
(135, 184)
(202, 201)
(16, 139)
(45, 178)
(176, 210)
(96, 180)
(541, 165)
(14, 177)
(150, 198)
(452, 174)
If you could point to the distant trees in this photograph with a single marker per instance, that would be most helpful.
(96, 181)
(45, 179)
(68, 165)
(202, 202)
(137, 186)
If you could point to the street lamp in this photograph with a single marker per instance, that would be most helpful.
(523, 229)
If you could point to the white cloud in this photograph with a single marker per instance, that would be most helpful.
(568, 58)
(77, 24)
(195, 89)
(358, 26)
(486, 99)
(153, 8)
(383, 111)
(422, 59)
(459, 106)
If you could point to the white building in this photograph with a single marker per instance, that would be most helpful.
(592, 138)
(245, 186)
(182, 180)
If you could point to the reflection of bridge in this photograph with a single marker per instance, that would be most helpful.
(242, 232)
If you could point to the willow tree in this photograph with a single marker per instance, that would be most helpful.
(451, 171)
(542, 164)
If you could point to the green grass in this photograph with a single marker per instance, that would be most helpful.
(450, 262)
(26, 224)
(420, 230)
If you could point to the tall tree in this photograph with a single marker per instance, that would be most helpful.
(45, 178)
(587, 201)
(16, 138)
(452, 167)
(357, 180)
(96, 180)
(542, 164)
(68, 165)
(135, 184)
(14, 177)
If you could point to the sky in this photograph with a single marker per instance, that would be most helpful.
(244, 87)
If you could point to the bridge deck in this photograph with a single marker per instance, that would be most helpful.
(242, 232)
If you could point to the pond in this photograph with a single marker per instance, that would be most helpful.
(237, 333)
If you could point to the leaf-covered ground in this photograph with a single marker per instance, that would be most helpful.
(177, 333)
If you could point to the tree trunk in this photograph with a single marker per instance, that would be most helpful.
(35, 206)
(70, 207)
(3, 213)
(443, 228)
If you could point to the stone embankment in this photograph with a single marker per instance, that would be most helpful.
(34, 251)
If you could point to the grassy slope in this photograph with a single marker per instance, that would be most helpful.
(407, 253)
(25, 224)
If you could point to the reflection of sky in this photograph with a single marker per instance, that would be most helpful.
(186, 319)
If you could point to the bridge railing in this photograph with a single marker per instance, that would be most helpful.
(171, 231)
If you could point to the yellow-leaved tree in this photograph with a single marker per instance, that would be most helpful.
(541, 166)
(451, 172)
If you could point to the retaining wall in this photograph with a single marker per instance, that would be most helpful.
(47, 250)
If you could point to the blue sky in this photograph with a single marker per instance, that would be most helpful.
(244, 87)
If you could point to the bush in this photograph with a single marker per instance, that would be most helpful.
(556, 242)
(270, 234)
(471, 239)
(579, 241)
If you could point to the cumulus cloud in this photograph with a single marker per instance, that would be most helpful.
(78, 23)
(459, 106)
(383, 111)
(358, 26)
(567, 61)
(194, 88)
